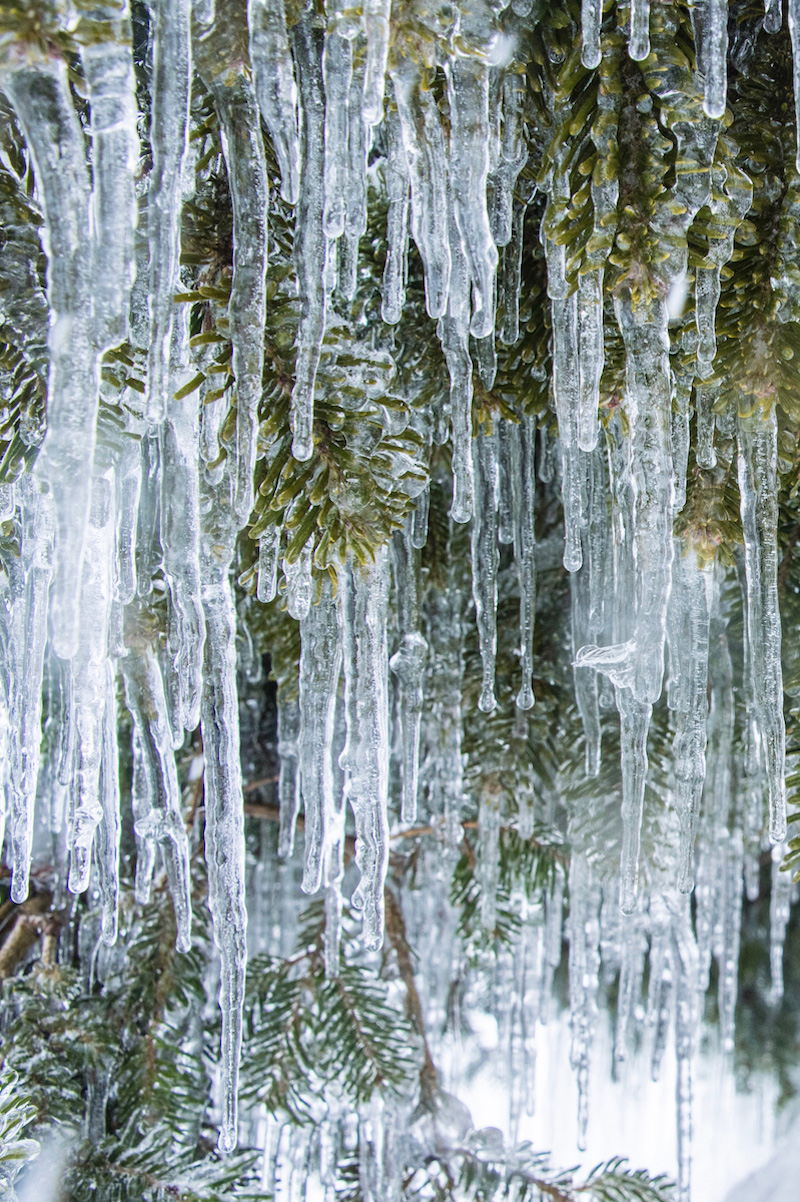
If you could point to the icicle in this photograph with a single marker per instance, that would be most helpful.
(525, 555)
(590, 352)
(419, 520)
(106, 842)
(397, 192)
(685, 960)
(487, 869)
(634, 724)
(564, 309)
(320, 663)
(172, 72)
(584, 969)
(639, 44)
(38, 88)
(376, 27)
(156, 794)
(26, 670)
(757, 458)
(128, 481)
(585, 679)
(108, 69)
(630, 984)
(275, 87)
(691, 600)
(733, 857)
(639, 663)
(269, 550)
(445, 630)
(355, 222)
(485, 559)
(509, 282)
(224, 809)
(773, 14)
(288, 774)
(89, 686)
(243, 148)
(714, 18)
(408, 664)
(365, 758)
(508, 465)
(779, 900)
(337, 72)
(299, 583)
(426, 160)
(591, 20)
(454, 336)
(513, 157)
(180, 528)
(310, 241)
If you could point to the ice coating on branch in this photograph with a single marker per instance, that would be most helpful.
(485, 559)
(273, 74)
(426, 160)
(320, 663)
(691, 602)
(408, 665)
(310, 240)
(591, 20)
(365, 758)
(156, 794)
(224, 805)
(714, 20)
(757, 461)
(639, 44)
(172, 71)
(38, 88)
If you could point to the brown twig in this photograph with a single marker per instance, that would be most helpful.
(31, 920)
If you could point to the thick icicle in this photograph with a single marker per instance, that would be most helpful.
(376, 27)
(107, 836)
(288, 774)
(779, 901)
(180, 527)
(38, 87)
(512, 158)
(172, 73)
(310, 241)
(757, 460)
(525, 555)
(275, 88)
(453, 331)
(224, 805)
(691, 600)
(408, 665)
(468, 93)
(426, 161)
(397, 192)
(89, 686)
(156, 794)
(639, 44)
(365, 758)
(26, 670)
(337, 72)
(714, 17)
(634, 724)
(591, 20)
(320, 663)
(485, 559)
(584, 969)
(245, 160)
(108, 70)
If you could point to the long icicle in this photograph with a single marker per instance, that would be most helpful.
(757, 438)
(408, 665)
(275, 87)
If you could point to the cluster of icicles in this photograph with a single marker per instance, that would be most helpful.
(97, 522)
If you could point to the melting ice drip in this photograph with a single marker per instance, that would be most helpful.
(97, 521)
